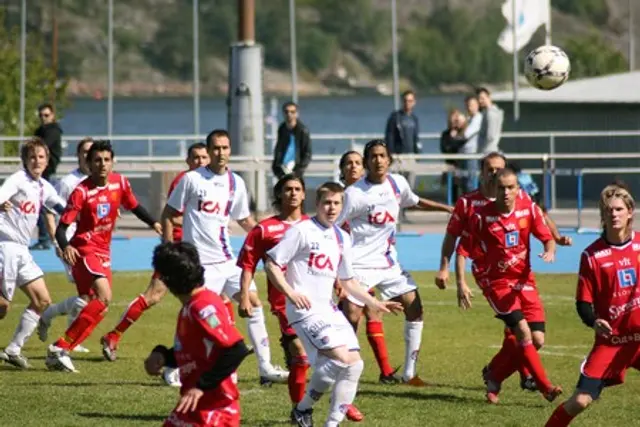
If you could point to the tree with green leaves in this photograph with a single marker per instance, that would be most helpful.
(592, 56)
(40, 85)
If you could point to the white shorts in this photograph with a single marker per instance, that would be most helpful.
(17, 268)
(390, 282)
(224, 278)
(323, 331)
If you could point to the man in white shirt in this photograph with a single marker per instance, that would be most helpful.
(28, 193)
(74, 304)
(492, 120)
(208, 198)
(315, 253)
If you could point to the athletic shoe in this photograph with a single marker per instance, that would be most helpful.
(17, 360)
(43, 330)
(528, 384)
(302, 418)
(171, 376)
(354, 414)
(415, 382)
(109, 347)
(80, 349)
(58, 360)
(275, 374)
(553, 393)
(493, 387)
(392, 378)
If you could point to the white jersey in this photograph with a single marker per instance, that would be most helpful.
(314, 256)
(209, 201)
(372, 212)
(65, 187)
(28, 197)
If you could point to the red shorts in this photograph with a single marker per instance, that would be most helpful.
(278, 303)
(609, 362)
(506, 299)
(87, 268)
(229, 416)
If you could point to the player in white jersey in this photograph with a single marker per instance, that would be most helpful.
(315, 253)
(28, 194)
(208, 198)
(73, 305)
(372, 209)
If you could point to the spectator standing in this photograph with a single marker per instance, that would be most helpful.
(401, 134)
(471, 134)
(492, 119)
(452, 139)
(292, 153)
(51, 133)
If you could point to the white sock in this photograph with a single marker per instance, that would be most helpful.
(58, 309)
(325, 373)
(344, 392)
(257, 331)
(76, 308)
(26, 326)
(412, 341)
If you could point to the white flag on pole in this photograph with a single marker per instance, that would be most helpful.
(530, 15)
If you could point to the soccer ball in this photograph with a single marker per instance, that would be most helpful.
(547, 67)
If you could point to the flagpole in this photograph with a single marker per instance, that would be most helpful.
(632, 39)
(514, 23)
(547, 37)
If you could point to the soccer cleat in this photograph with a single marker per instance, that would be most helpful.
(354, 414)
(302, 418)
(275, 374)
(17, 360)
(43, 329)
(492, 397)
(493, 387)
(109, 347)
(528, 384)
(58, 360)
(171, 376)
(392, 378)
(553, 393)
(80, 349)
(415, 382)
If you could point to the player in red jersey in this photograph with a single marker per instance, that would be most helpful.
(502, 229)
(96, 201)
(196, 156)
(607, 300)
(207, 347)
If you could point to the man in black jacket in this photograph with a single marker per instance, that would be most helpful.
(402, 129)
(292, 153)
(51, 132)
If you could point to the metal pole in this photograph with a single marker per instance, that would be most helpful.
(632, 39)
(547, 36)
(110, 71)
(246, 21)
(23, 63)
(516, 103)
(394, 47)
(293, 53)
(54, 49)
(552, 152)
(196, 70)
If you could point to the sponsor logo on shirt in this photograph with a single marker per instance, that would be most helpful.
(524, 212)
(319, 261)
(102, 210)
(209, 206)
(603, 253)
(274, 228)
(27, 207)
(380, 218)
(618, 310)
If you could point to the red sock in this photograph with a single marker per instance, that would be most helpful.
(559, 418)
(531, 359)
(232, 315)
(84, 324)
(375, 335)
(133, 313)
(298, 378)
(506, 361)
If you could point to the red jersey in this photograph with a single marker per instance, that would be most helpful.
(608, 280)
(504, 241)
(204, 329)
(259, 241)
(458, 224)
(177, 229)
(97, 208)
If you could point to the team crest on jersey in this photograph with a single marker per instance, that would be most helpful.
(114, 196)
(523, 223)
(103, 209)
(627, 277)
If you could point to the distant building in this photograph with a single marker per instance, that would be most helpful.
(609, 103)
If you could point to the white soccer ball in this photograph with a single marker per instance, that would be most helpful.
(547, 67)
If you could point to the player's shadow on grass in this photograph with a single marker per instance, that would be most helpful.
(449, 398)
(89, 384)
(128, 417)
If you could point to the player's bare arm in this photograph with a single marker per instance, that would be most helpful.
(245, 308)
(464, 292)
(166, 220)
(549, 254)
(247, 223)
(431, 205)
(559, 238)
(448, 245)
(276, 276)
(352, 287)
(176, 221)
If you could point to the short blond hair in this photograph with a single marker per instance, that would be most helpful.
(616, 190)
(30, 146)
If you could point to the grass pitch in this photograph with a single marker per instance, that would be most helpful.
(456, 345)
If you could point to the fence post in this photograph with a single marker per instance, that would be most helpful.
(449, 188)
(552, 152)
(579, 185)
(150, 147)
(545, 180)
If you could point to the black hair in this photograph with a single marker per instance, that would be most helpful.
(45, 106)
(482, 89)
(492, 155)
(408, 92)
(343, 161)
(216, 133)
(376, 143)
(177, 264)
(469, 98)
(515, 166)
(81, 143)
(196, 146)
(100, 145)
(277, 189)
(289, 104)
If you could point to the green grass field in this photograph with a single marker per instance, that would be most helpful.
(455, 347)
